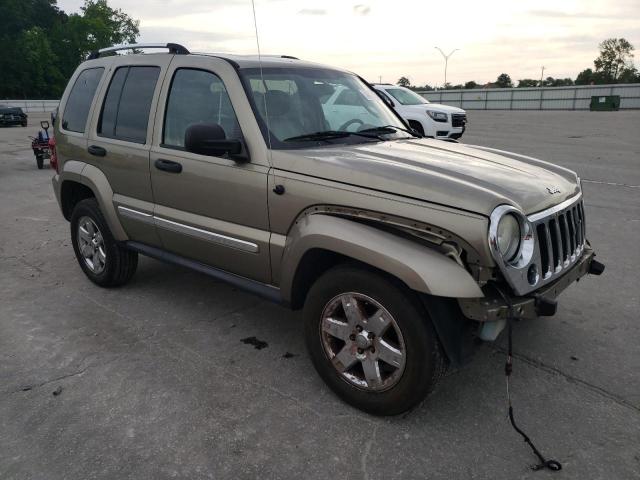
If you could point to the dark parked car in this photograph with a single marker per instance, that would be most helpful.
(12, 116)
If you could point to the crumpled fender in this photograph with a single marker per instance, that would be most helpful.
(421, 268)
(96, 180)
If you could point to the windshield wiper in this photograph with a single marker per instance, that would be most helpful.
(391, 129)
(328, 135)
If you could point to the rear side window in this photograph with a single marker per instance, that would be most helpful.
(197, 96)
(126, 108)
(78, 104)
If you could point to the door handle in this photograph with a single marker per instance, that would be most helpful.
(97, 151)
(168, 166)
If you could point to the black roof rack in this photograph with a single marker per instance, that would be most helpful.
(289, 56)
(174, 48)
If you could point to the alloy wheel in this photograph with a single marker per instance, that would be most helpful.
(363, 342)
(91, 245)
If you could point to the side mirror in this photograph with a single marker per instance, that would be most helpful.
(209, 139)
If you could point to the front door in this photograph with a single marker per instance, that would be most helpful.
(209, 209)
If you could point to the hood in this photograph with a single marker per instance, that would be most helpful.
(471, 178)
(438, 107)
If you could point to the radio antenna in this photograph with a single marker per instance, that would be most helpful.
(266, 112)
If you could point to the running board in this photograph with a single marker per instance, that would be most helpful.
(258, 288)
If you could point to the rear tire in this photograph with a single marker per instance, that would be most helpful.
(383, 370)
(103, 260)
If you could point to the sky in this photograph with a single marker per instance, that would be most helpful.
(385, 39)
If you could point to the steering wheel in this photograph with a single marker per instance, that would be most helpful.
(351, 122)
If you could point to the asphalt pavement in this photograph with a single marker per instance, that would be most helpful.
(152, 380)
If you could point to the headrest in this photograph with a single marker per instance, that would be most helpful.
(278, 102)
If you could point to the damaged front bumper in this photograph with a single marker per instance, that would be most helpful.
(542, 302)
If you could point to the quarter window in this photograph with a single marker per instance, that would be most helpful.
(197, 96)
(125, 113)
(79, 102)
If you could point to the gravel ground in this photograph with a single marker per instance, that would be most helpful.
(152, 380)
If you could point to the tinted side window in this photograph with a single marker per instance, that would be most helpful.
(195, 97)
(78, 104)
(125, 113)
(107, 122)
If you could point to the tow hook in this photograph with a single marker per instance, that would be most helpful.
(545, 307)
(596, 268)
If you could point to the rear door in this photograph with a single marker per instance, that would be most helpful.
(120, 138)
(214, 210)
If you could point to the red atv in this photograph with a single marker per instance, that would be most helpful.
(42, 145)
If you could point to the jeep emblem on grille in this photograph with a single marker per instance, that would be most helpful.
(553, 189)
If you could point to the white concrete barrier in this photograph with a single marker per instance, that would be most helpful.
(32, 106)
(577, 97)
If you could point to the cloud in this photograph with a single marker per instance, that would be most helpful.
(194, 40)
(493, 36)
(362, 9)
(573, 15)
(312, 11)
(550, 14)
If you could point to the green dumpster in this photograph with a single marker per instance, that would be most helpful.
(605, 103)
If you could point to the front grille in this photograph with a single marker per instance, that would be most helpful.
(458, 119)
(560, 237)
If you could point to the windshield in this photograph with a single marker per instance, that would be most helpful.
(406, 97)
(304, 101)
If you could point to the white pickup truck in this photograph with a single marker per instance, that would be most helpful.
(430, 119)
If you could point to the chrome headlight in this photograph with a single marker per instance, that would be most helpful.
(510, 237)
(437, 116)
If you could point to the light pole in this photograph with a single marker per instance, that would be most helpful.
(446, 62)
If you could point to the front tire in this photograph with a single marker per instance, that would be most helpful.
(371, 341)
(39, 162)
(417, 126)
(105, 262)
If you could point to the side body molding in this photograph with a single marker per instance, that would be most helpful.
(93, 178)
(420, 267)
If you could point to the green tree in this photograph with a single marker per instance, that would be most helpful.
(616, 55)
(589, 77)
(470, 84)
(503, 81)
(423, 88)
(39, 68)
(40, 45)
(585, 77)
(404, 82)
(556, 82)
(100, 26)
(629, 75)
(528, 82)
(25, 50)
